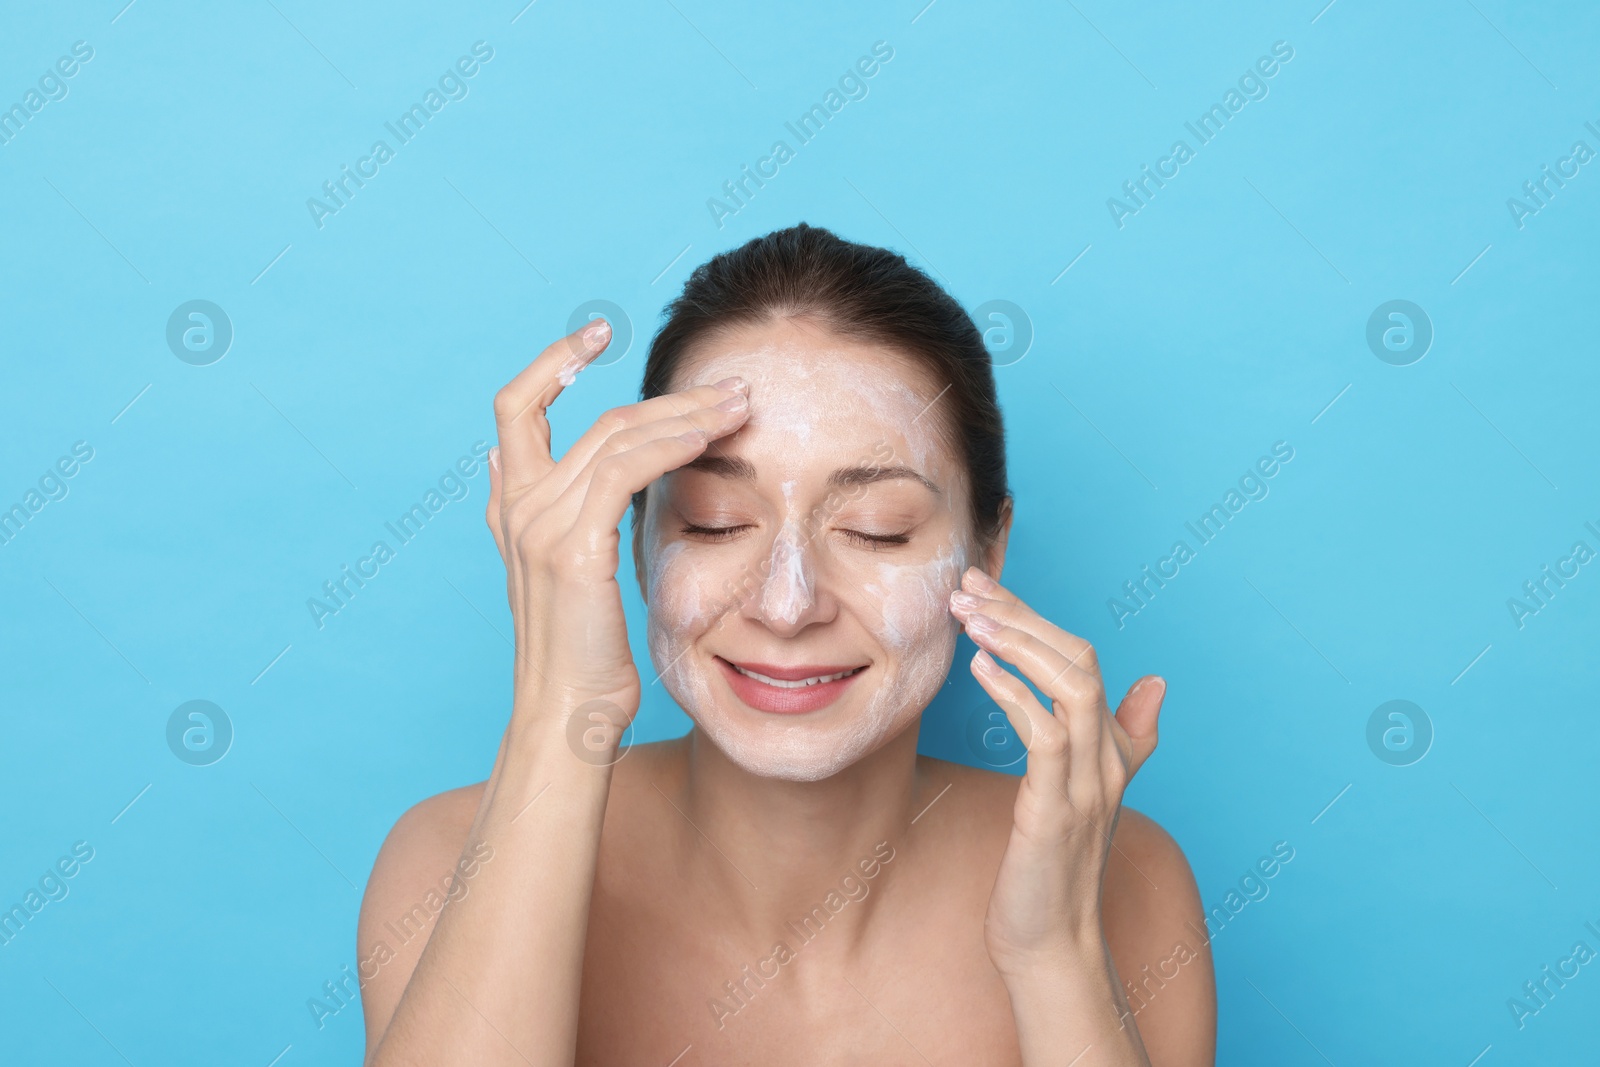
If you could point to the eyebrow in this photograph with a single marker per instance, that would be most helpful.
(846, 477)
(843, 478)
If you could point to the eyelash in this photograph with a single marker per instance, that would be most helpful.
(712, 533)
(875, 543)
(872, 542)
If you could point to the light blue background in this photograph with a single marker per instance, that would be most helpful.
(1223, 317)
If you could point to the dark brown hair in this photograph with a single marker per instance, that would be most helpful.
(859, 291)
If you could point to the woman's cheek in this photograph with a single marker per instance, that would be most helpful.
(679, 600)
(915, 622)
(673, 606)
(685, 600)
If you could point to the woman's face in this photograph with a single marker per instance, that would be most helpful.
(797, 575)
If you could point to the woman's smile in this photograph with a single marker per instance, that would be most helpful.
(788, 690)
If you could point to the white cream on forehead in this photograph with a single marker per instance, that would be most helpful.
(802, 393)
(809, 398)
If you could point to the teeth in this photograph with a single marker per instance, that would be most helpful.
(797, 684)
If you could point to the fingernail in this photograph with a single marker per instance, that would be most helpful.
(966, 601)
(596, 333)
(980, 623)
(692, 437)
(980, 581)
(1159, 684)
(984, 662)
(732, 385)
(736, 402)
(494, 456)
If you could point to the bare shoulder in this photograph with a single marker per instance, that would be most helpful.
(420, 866)
(1147, 871)
(1147, 868)
(1155, 927)
(429, 825)
(1150, 910)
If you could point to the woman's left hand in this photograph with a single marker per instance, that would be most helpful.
(1044, 912)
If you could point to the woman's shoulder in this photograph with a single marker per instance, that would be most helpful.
(1150, 911)
(418, 868)
(1146, 868)
(433, 822)
(423, 845)
(433, 831)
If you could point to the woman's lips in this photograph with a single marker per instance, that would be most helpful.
(787, 700)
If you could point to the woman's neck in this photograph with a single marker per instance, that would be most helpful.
(767, 850)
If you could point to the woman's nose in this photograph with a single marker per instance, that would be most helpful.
(788, 594)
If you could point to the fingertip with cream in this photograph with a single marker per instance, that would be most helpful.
(979, 582)
(596, 334)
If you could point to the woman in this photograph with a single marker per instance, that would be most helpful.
(817, 474)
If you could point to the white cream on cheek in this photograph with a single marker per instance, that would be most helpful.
(904, 607)
(679, 610)
(909, 618)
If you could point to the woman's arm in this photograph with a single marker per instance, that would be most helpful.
(1154, 965)
(498, 979)
(1046, 930)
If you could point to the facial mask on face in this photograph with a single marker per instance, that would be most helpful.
(915, 625)
(905, 610)
(679, 609)
(797, 406)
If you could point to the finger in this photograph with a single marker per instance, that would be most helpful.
(1137, 715)
(632, 416)
(1005, 606)
(1078, 692)
(609, 490)
(718, 420)
(1070, 675)
(520, 405)
(1039, 731)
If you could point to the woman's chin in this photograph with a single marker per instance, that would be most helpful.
(801, 748)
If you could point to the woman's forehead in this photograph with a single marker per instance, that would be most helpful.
(822, 401)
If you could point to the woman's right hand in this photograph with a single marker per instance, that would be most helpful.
(556, 523)
(498, 980)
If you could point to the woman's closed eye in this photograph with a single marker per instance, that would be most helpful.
(861, 538)
(713, 533)
(875, 542)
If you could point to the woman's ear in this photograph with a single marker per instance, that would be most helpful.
(994, 556)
